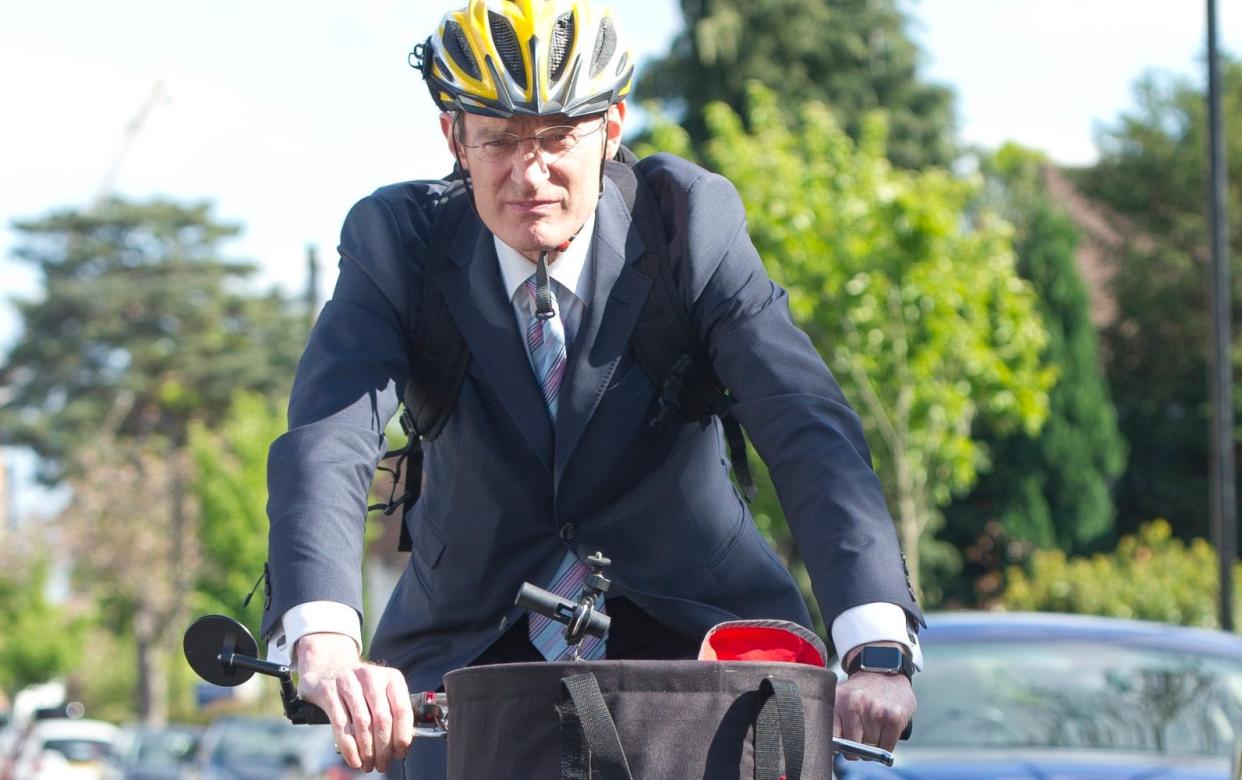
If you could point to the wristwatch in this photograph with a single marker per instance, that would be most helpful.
(882, 660)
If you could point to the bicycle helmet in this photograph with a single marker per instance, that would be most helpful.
(527, 57)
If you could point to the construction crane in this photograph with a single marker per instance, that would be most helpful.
(159, 94)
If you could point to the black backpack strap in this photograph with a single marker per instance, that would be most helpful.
(780, 730)
(588, 732)
(438, 353)
(666, 342)
(439, 358)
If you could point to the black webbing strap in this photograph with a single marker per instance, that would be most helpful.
(666, 342)
(438, 353)
(779, 723)
(438, 359)
(588, 733)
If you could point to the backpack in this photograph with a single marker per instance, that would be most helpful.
(665, 342)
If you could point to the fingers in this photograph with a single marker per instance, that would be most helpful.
(873, 709)
(403, 714)
(360, 743)
(368, 705)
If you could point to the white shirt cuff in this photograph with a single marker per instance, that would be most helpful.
(313, 617)
(875, 622)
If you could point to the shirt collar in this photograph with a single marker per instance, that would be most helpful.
(569, 269)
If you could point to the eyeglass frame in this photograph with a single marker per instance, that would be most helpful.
(519, 141)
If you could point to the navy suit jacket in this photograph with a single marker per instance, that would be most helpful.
(507, 491)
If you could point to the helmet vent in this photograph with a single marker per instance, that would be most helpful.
(562, 44)
(605, 46)
(507, 45)
(457, 47)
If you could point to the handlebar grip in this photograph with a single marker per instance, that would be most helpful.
(306, 714)
(859, 750)
(540, 601)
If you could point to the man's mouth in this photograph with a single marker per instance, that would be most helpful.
(534, 205)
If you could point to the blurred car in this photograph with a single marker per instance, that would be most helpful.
(318, 759)
(151, 753)
(63, 749)
(1026, 696)
(236, 748)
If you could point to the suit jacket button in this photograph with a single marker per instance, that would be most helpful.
(568, 532)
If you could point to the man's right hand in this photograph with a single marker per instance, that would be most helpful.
(368, 705)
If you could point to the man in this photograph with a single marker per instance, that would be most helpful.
(547, 456)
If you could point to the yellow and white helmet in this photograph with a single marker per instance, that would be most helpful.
(527, 57)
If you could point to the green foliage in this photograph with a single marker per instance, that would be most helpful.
(853, 55)
(230, 483)
(922, 318)
(39, 641)
(1152, 174)
(1054, 489)
(139, 329)
(1150, 576)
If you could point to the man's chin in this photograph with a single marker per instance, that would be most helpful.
(535, 238)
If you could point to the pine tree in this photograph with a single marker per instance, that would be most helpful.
(1053, 490)
(853, 55)
(142, 330)
(1153, 172)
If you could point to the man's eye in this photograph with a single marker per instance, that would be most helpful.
(499, 145)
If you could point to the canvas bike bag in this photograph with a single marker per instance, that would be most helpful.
(641, 720)
(665, 342)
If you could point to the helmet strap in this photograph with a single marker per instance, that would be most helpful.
(464, 172)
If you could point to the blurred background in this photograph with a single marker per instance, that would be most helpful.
(990, 214)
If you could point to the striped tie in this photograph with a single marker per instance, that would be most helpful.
(545, 341)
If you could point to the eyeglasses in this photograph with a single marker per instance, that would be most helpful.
(552, 142)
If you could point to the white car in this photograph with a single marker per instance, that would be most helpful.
(64, 749)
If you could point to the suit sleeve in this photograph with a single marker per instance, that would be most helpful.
(793, 411)
(347, 388)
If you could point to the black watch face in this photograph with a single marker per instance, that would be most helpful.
(881, 658)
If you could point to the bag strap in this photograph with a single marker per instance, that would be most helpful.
(588, 733)
(438, 353)
(666, 342)
(779, 723)
(439, 358)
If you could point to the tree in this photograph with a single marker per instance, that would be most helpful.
(1152, 173)
(925, 323)
(1053, 490)
(130, 532)
(853, 55)
(142, 329)
(39, 641)
(230, 483)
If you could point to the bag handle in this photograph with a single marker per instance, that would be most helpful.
(779, 722)
(588, 732)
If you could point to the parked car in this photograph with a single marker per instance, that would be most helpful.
(63, 749)
(237, 748)
(1026, 696)
(151, 753)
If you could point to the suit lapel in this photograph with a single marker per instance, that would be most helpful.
(485, 318)
(617, 297)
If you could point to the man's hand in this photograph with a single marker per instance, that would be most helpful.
(873, 708)
(369, 705)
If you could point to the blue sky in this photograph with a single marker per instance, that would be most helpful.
(284, 113)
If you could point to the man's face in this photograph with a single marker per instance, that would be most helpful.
(533, 199)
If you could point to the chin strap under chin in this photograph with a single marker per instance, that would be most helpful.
(543, 291)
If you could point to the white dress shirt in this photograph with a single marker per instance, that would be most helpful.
(573, 275)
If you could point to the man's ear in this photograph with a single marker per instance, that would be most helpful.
(446, 127)
(614, 122)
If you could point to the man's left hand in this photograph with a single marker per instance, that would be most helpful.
(873, 708)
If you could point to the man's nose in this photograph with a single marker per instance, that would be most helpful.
(528, 165)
